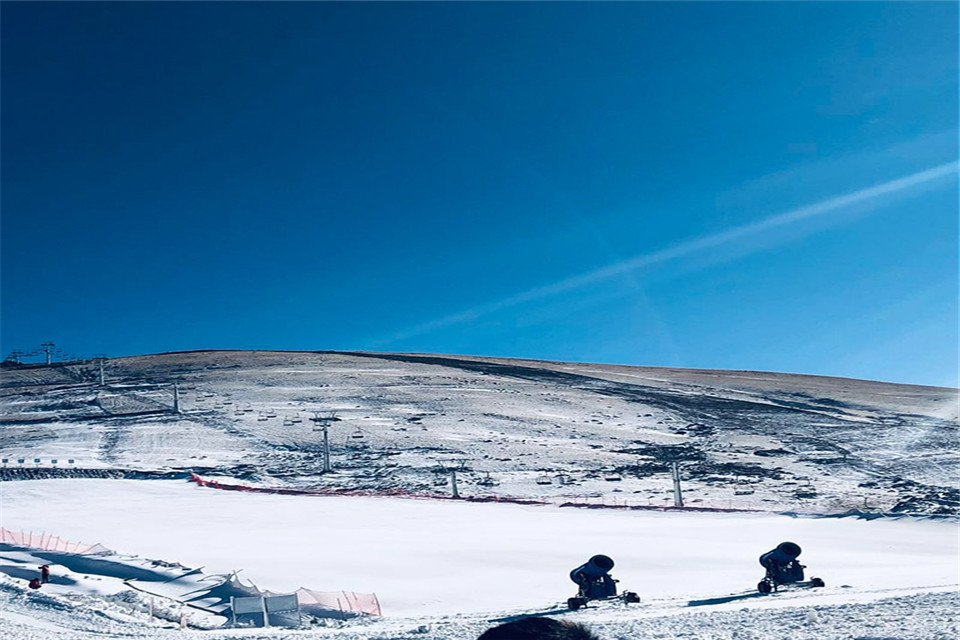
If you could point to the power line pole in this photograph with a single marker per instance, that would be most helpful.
(453, 482)
(48, 348)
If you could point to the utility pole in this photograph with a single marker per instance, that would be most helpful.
(677, 495)
(48, 348)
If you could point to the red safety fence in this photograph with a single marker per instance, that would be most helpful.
(47, 542)
(383, 493)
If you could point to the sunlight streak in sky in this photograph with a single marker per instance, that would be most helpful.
(696, 245)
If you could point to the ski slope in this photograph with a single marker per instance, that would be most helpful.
(543, 430)
(549, 431)
(426, 559)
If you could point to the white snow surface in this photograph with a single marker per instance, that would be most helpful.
(450, 565)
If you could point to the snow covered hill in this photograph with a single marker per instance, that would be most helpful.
(561, 432)
(560, 436)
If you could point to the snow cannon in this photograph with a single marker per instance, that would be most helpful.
(596, 568)
(596, 583)
(785, 553)
(782, 568)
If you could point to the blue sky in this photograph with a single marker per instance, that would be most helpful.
(767, 186)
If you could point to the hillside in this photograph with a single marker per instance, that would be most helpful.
(562, 432)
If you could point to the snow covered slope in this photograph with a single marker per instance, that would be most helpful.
(424, 557)
(550, 430)
(453, 569)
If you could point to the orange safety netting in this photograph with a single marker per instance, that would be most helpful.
(48, 542)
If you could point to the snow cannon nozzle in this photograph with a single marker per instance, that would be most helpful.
(791, 549)
(604, 563)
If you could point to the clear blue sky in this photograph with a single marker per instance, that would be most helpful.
(766, 186)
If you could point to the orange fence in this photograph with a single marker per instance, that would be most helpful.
(48, 542)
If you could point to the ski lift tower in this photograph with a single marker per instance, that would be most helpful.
(176, 398)
(677, 494)
(323, 423)
(458, 464)
(99, 359)
(47, 348)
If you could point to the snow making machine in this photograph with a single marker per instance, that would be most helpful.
(595, 583)
(783, 568)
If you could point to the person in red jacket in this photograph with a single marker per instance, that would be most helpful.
(45, 573)
(35, 583)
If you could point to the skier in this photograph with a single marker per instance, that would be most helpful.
(45, 573)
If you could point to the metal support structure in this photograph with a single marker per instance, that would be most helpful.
(677, 494)
(176, 398)
(100, 359)
(48, 348)
(324, 421)
(453, 482)
(326, 449)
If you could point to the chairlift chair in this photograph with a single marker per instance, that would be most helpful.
(487, 481)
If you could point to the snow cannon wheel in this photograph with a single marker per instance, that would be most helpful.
(817, 582)
(630, 597)
(764, 587)
(575, 603)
